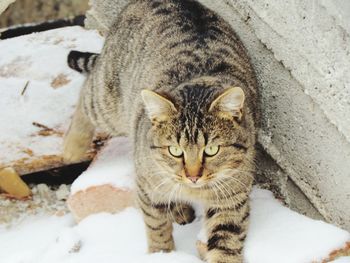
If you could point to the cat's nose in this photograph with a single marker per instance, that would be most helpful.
(194, 171)
(193, 179)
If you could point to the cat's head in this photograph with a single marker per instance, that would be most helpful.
(200, 136)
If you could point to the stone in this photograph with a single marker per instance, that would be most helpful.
(62, 192)
(97, 199)
(44, 192)
(12, 184)
(4, 4)
(31, 11)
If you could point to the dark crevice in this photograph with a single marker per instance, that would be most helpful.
(55, 177)
(32, 28)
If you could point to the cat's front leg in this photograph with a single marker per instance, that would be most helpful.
(159, 227)
(182, 213)
(226, 230)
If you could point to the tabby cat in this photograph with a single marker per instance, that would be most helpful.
(176, 79)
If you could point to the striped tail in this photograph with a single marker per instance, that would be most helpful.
(82, 62)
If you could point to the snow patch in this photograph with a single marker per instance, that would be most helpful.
(276, 235)
(113, 166)
(276, 231)
(35, 61)
(342, 260)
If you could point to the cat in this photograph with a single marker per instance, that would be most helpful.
(175, 78)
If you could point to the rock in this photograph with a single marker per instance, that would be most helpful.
(102, 14)
(29, 11)
(4, 4)
(12, 184)
(62, 192)
(43, 191)
(13, 211)
(98, 199)
(107, 185)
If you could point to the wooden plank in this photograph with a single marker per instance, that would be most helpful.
(34, 164)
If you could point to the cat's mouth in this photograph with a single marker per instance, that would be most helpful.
(196, 185)
(194, 182)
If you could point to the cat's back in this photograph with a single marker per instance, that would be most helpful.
(184, 14)
(178, 40)
(186, 20)
(159, 44)
(165, 21)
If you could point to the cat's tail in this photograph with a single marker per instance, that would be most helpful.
(82, 62)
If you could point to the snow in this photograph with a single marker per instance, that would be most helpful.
(276, 231)
(113, 166)
(32, 238)
(342, 260)
(276, 235)
(39, 59)
(98, 238)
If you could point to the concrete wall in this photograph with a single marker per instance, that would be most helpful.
(31, 11)
(4, 4)
(301, 53)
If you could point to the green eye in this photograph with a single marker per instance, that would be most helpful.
(175, 151)
(211, 150)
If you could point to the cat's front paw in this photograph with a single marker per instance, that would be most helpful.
(166, 245)
(162, 249)
(183, 214)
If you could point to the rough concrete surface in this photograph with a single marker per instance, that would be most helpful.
(301, 54)
(4, 4)
(33, 11)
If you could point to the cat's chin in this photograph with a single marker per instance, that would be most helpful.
(195, 185)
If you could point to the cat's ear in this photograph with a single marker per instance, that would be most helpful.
(229, 103)
(158, 108)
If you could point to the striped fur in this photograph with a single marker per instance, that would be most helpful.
(82, 62)
(187, 58)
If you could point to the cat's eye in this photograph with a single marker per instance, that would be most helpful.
(211, 150)
(175, 151)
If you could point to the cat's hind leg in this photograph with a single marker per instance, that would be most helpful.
(79, 135)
